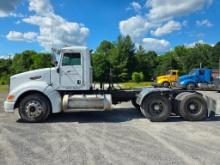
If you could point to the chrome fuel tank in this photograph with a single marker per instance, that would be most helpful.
(74, 103)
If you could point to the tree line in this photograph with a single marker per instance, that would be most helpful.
(121, 59)
(21, 62)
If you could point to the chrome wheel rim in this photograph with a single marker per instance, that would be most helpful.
(33, 108)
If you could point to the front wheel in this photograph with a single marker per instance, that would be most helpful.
(191, 86)
(34, 108)
(156, 107)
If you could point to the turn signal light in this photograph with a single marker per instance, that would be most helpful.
(10, 98)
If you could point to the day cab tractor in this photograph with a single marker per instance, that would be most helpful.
(200, 78)
(68, 87)
(167, 80)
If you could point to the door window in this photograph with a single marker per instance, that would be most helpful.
(201, 72)
(70, 59)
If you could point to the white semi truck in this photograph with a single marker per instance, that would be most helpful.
(68, 87)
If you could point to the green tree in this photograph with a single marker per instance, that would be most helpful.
(215, 56)
(122, 58)
(166, 62)
(137, 77)
(146, 62)
(100, 62)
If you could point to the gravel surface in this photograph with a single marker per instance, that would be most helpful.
(122, 136)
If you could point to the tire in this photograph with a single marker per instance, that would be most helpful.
(178, 98)
(34, 108)
(133, 101)
(191, 86)
(157, 108)
(166, 84)
(192, 107)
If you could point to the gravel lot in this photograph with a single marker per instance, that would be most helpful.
(122, 136)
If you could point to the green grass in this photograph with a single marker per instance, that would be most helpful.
(3, 88)
(129, 85)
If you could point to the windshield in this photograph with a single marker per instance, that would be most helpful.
(192, 72)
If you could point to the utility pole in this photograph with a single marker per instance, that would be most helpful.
(219, 68)
(200, 65)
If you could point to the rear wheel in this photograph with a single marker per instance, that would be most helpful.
(166, 84)
(156, 107)
(193, 107)
(34, 108)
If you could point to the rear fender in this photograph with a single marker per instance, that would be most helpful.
(147, 92)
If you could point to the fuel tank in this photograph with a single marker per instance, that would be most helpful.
(77, 103)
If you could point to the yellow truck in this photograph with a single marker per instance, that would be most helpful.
(168, 79)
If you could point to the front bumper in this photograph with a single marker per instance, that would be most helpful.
(9, 106)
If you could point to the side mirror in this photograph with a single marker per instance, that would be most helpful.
(55, 63)
(58, 70)
(54, 60)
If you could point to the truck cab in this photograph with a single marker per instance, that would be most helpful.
(167, 79)
(196, 76)
(73, 71)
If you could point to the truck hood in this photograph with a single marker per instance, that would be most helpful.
(35, 75)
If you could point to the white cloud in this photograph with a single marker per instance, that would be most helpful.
(167, 9)
(57, 32)
(159, 20)
(7, 7)
(204, 22)
(41, 7)
(18, 36)
(191, 45)
(167, 28)
(136, 27)
(54, 30)
(135, 5)
(152, 44)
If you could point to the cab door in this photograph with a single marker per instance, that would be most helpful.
(174, 76)
(71, 71)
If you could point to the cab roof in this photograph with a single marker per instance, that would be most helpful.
(76, 48)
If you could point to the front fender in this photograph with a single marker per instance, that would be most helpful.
(41, 87)
(147, 91)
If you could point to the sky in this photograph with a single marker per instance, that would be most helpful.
(157, 25)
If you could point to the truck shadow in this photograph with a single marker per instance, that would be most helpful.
(116, 116)
(180, 119)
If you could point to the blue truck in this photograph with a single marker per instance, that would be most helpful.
(198, 78)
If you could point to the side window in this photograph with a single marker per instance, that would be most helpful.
(201, 72)
(174, 73)
(71, 59)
